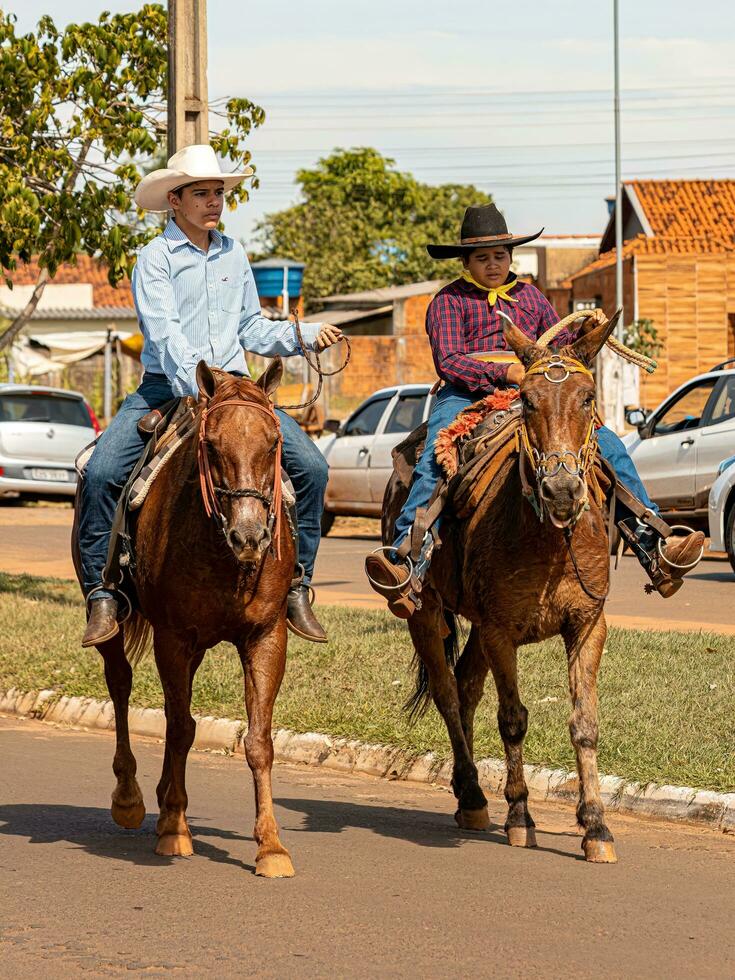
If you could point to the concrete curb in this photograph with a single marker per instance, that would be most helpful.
(681, 804)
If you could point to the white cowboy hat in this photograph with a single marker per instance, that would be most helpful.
(193, 163)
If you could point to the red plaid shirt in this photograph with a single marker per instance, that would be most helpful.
(460, 321)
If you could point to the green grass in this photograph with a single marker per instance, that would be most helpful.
(667, 700)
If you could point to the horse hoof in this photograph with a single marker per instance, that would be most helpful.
(599, 851)
(274, 866)
(175, 845)
(522, 836)
(130, 817)
(473, 819)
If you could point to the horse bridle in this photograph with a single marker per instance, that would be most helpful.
(211, 494)
(549, 464)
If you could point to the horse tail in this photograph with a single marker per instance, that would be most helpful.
(137, 638)
(419, 701)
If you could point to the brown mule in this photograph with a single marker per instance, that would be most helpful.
(200, 581)
(514, 578)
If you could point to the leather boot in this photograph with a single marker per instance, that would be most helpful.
(102, 622)
(665, 568)
(300, 617)
(393, 583)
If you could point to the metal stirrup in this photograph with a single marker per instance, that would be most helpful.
(390, 588)
(672, 564)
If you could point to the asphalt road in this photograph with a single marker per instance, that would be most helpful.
(36, 540)
(386, 886)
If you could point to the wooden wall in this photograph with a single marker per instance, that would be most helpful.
(688, 298)
(691, 301)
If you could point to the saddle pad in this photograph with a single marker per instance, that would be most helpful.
(494, 408)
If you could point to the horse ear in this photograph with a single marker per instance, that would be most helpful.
(587, 347)
(271, 377)
(522, 346)
(205, 380)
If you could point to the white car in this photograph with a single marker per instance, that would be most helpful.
(679, 446)
(359, 452)
(41, 432)
(722, 510)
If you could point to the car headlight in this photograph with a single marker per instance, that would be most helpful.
(725, 464)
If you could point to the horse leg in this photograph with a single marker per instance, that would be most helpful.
(512, 723)
(584, 652)
(175, 662)
(470, 672)
(427, 630)
(127, 808)
(263, 662)
(166, 768)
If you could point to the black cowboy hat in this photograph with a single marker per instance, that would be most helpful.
(482, 227)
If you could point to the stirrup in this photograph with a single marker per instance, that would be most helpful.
(117, 591)
(391, 588)
(671, 564)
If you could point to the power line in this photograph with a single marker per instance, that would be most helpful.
(284, 151)
(444, 125)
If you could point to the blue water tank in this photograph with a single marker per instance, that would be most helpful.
(269, 277)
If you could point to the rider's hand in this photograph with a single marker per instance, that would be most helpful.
(595, 319)
(327, 336)
(515, 374)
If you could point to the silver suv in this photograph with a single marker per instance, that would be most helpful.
(41, 432)
(679, 446)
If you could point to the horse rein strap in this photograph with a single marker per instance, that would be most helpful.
(211, 493)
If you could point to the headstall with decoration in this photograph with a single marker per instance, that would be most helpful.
(212, 494)
(556, 369)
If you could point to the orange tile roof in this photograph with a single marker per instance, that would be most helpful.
(661, 245)
(86, 270)
(688, 208)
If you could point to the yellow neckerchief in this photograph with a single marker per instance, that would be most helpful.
(493, 293)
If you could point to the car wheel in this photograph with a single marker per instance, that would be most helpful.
(730, 536)
(327, 522)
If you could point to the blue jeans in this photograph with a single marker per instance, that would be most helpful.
(448, 403)
(119, 448)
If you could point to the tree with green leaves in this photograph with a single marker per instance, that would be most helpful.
(82, 111)
(363, 224)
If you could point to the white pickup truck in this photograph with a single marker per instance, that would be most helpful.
(359, 452)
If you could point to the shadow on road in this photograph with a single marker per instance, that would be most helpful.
(93, 830)
(708, 576)
(425, 828)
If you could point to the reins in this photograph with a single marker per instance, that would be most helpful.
(316, 367)
(212, 493)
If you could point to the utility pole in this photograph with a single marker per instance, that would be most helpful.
(612, 365)
(188, 109)
(618, 175)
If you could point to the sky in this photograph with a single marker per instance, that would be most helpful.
(514, 98)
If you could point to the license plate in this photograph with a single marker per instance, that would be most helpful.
(56, 476)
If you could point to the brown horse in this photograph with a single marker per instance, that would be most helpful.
(200, 581)
(513, 577)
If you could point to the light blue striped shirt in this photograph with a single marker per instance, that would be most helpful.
(195, 305)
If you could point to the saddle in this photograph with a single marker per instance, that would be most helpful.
(165, 429)
(472, 450)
